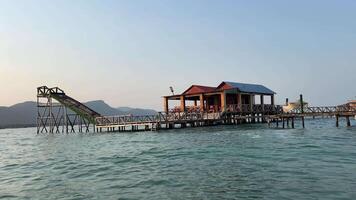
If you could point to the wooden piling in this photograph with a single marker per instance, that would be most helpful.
(301, 104)
(337, 120)
(277, 123)
(283, 121)
(288, 122)
(348, 121)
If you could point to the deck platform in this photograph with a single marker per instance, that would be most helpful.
(342, 111)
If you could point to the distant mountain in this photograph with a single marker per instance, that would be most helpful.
(24, 114)
(136, 111)
(18, 115)
(103, 108)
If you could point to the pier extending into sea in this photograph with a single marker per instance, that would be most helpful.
(60, 113)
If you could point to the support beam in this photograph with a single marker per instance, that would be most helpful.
(337, 120)
(288, 122)
(182, 103)
(348, 121)
(262, 102)
(165, 104)
(201, 98)
(277, 122)
(272, 100)
(251, 102)
(239, 101)
(301, 104)
(283, 122)
(223, 101)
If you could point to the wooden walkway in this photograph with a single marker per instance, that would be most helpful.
(241, 114)
(324, 111)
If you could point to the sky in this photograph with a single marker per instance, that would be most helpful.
(128, 53)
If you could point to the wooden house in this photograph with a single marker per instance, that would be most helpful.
(227, 96)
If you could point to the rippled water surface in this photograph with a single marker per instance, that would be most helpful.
(222, 162)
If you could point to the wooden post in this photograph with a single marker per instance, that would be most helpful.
(292, 122)
(303, 122)
(277, 123)
(239, 101)
(272, 100)
(182, 103)
(223, 101)
(337, 120)
(301, 104)
(348, 121)
(201, 102)
(288, 122)
(283, 121)
(195, 103)
(287, 101)
(165, 104)
(251, 103)
(262, 102)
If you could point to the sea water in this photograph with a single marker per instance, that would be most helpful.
(220, 162)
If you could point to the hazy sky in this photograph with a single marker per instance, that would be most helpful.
(128, 53)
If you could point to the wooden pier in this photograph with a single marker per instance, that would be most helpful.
(57, 112)
(337, 112)
(183, 119)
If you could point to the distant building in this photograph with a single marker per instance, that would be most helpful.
(294, 105)
(226, 96)
(351, 103)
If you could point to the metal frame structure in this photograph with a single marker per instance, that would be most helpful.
(55, 117)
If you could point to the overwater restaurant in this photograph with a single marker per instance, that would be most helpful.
(227, 96)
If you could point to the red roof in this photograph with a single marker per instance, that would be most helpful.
(197, 89)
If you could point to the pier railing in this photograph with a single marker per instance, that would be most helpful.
(189, 116)
(177, 117)
(257, 108)
(125, 119)
(323, 110)
(159, 118)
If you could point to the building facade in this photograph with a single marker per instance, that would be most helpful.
(227, 96)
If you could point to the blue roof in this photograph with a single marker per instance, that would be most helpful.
(250, 88)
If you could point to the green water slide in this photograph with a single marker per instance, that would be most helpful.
(74, 105)
(77, 107)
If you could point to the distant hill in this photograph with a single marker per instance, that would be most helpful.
(24, 114)
(18, 115)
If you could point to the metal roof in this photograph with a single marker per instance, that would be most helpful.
(250, 88)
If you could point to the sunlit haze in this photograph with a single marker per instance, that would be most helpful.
(128, 53)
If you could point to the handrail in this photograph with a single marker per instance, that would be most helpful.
(159, 118)
(323, 109)
(255, 108)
